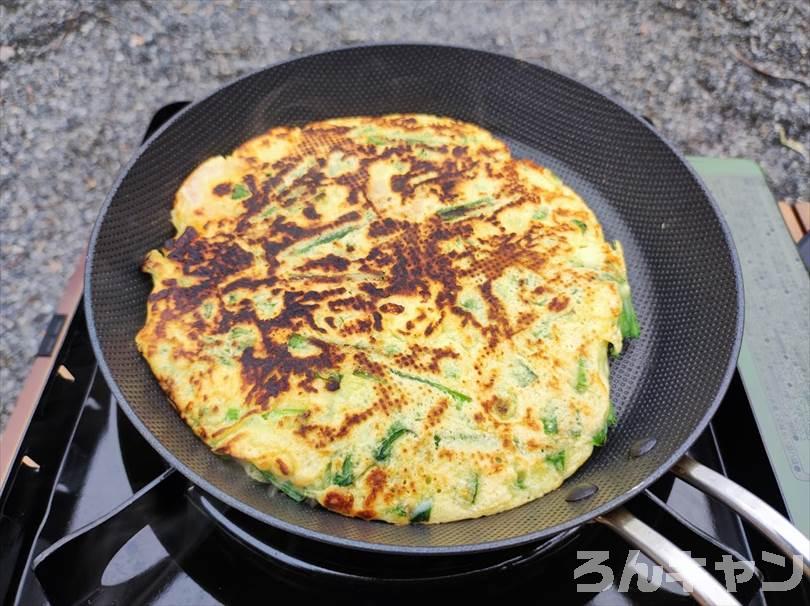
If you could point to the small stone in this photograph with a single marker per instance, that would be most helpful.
(136, 41)
(6, 53)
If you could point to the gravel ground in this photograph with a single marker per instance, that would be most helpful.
(81, 79)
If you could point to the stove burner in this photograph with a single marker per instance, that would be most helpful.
(328, 561)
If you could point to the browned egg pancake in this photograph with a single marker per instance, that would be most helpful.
(389, 315)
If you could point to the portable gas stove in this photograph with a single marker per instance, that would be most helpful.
(91, 514)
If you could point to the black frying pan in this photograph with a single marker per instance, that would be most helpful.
(683, 269)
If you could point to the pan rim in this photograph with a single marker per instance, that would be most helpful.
(388, 548)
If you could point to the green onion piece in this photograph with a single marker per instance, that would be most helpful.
(399, 510)
(239, 191)
(283, 412)
(296, 341)
(266, 307)
(232, 414)
(628, 322)
(377, 140)
(557, 460)
(582, 226)
(383, 450)
(286, 487)
(612, 419)
(582, 377)
(238, 332)
(600, 437)
(421, 513)
(550, 424)
(330, 237)
(471, 304)
(454, 212)
(346, 475)
(520, 481)
(437, 439)
(459, 397)
(473, 487)
(540, 214)
(207, 309)
(524, 375)
(365, 375)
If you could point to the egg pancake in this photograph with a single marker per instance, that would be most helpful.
(389, 315)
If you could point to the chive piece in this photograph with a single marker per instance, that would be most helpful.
(582, 377)
(612, 419)
(557, 460)
(239, 191)
(520, 480)
(365, 375)
(600, 437)
(283, 412)
(232, 414)
(286, 487)
(421, 513)
(238, 332)
(582, 226)
(628, 322)
(550, 424)
(383, 450)
(331, 237)
(471, 304)
(207, 309)
(459, 397)
(266, 307)
(399, 510)
(473, 487)
(524, 375)
(346, 475)
(420, 140)
(437, 439)
(296, 341)
(540, 214)
(454, 212)
(377, 140)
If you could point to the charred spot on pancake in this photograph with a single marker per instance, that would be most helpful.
(222, 189)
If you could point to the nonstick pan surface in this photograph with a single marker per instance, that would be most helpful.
(682, 267)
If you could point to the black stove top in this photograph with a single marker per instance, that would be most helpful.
(91, 514)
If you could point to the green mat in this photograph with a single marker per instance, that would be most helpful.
(775, 358)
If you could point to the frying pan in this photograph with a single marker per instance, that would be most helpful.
(682, 267)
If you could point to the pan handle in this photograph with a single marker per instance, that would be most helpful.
(765, 518)
(701, 585)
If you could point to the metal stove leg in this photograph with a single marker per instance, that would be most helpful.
(765, 518)
(70, 571)
(695, 580)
